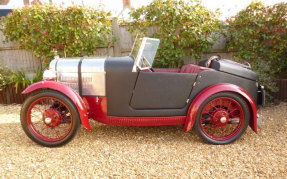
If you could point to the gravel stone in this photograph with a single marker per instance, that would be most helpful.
(145, 152)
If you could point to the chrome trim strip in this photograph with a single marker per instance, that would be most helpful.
(80, 77)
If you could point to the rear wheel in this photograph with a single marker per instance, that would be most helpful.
(222, 118)
(49, 118)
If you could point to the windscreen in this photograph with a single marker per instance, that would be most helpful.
(144, 52)
(149, 51)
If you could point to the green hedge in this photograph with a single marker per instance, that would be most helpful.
(258, 34)
(71, 31)
(180, 24)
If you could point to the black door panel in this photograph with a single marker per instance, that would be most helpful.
(162, 90)
(120, 84)
(121, 81)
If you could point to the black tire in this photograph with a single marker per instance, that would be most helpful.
(211, 121)
(65, 105)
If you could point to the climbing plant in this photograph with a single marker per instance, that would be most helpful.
(184, 28)
(258, 35)
(71, 31)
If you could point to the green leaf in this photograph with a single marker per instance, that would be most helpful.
(42, 28)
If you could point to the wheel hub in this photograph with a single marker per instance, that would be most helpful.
(52, 117)
(223, 119)
(220, 117)
(48, 120)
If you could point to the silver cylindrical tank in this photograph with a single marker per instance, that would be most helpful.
(90, 70)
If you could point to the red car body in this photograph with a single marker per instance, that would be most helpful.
(96, 107)
(218, 98)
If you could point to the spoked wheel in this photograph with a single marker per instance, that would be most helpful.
(49, 118)
(222, 118)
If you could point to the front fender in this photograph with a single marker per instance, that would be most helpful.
(203, 95)
(66, 90)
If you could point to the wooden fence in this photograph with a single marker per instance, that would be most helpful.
(282, 93)
(17, 59)
(9, 95)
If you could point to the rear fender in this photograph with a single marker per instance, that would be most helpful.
(66, 90)
(203, 95)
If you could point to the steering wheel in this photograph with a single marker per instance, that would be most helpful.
(216, 57)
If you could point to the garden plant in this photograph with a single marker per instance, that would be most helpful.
(258, 35)
(71, 31)
(180, 25)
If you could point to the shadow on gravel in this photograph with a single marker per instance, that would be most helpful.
(128, 133)
(115, 134)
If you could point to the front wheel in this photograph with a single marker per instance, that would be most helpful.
(49, 118)
(222, 118)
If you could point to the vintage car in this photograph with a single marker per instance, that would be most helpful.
(218, 97)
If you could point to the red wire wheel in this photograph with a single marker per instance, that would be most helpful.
(49, 118)
(222, 118)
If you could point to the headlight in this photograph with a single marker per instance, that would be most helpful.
(49, 75)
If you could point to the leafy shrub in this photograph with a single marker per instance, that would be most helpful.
(5, 76)
(71, 31)
(179, 25)
(258, 34)
(20, 78)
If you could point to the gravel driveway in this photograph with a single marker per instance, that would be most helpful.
(145, 152)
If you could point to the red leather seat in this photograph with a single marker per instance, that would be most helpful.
(184, 69)
(192, 69)
(168, 70)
